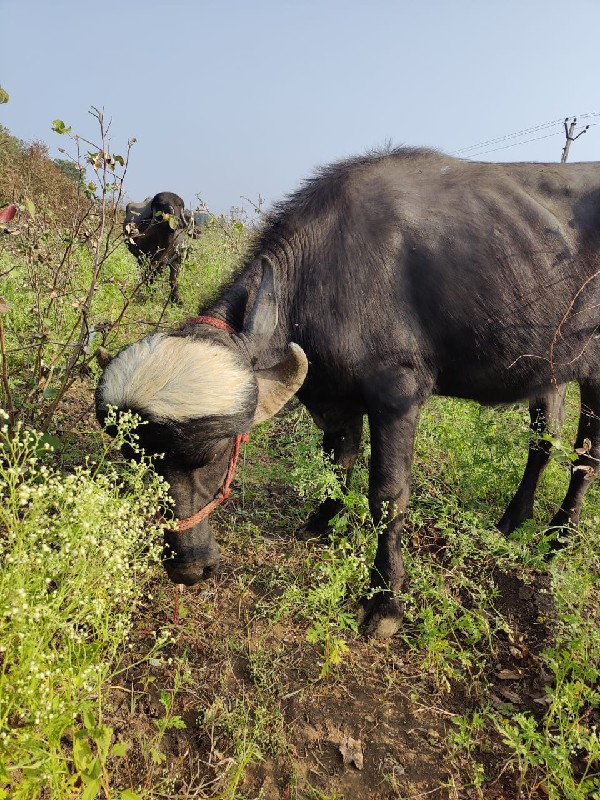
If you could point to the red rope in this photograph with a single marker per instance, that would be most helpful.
(241, 438)
(222, 494)
(213, 321)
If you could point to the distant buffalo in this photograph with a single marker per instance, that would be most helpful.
(154, 231)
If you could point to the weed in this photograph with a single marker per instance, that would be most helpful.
(246, 729)
(327, 588)
(92, 752)
(77, 550)
(565, 747)
(170, 720)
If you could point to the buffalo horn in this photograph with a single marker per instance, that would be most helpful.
(277, 384)
(103, 357)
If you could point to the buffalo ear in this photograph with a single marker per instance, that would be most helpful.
(277, 384)
(103, 357)
(262, 317)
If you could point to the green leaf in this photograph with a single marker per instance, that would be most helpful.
(50, 393)
(92, 773)
(82, 753)
(314, 634)
(88, 719)
(102, 738)
(176, 723)
(183, 612)
(48, 439)
(170, 218)
(58, 126)
(91, 790)
(29, 207)
(3, 99)
(129, 794)
(120, 160)
(120, 749)
(157, 756)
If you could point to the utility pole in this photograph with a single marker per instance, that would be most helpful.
(569, 131)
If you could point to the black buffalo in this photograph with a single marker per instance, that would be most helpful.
(154, 231)
(396, 276)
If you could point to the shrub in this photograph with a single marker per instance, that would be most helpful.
(77, 550)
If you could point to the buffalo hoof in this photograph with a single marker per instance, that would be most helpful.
(513, 519)
(381, 616)
(317, 525)
(505, 526)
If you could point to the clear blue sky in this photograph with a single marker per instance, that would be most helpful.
(239, 99)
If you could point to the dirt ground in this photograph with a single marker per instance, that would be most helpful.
(372, 730)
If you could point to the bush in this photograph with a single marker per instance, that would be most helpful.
(77, 551)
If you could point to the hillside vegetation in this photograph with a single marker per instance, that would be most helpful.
(26, 172)
(262, 687)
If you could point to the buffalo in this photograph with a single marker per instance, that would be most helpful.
(384, 279)
(154, 231)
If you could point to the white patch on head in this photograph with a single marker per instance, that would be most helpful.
(177, 378)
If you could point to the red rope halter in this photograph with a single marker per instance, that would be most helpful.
(241, 438)
(222, 494)
(212, 321)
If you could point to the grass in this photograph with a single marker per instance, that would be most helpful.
(564, 750)
(454, 628)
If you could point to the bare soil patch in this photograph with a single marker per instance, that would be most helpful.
(373, 730)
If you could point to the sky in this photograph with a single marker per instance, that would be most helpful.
(236, 102)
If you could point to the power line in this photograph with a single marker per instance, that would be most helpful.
(514, 135)
(590, 114)
(514, 144)
(518, 136)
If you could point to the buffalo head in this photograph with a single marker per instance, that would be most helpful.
(196, 390)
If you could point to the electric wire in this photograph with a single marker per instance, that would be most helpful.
(482, 148)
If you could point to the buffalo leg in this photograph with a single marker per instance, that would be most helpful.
(149, 271)
(174, 266)
(392, 443)
(343, 446)
(546, 414)
(583, 469)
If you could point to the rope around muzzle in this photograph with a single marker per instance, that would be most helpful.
(222, 494)
(220, 497)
